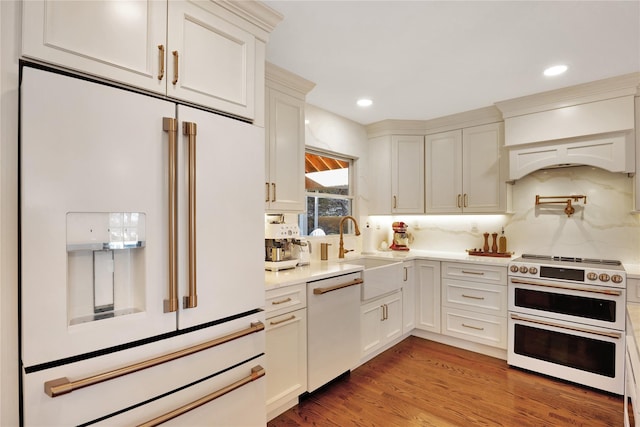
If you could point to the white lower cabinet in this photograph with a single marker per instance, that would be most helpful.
(286, 344)
(474, 303)
(381, 322)
(408, 296)
(632, 365)
(428, 296)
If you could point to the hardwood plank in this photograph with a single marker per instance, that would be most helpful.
(423, 383)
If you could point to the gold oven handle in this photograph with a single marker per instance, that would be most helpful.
(170, 125)
(190, 129)
(257, 372)
(60, 386)
(568, 288)
(615, 335)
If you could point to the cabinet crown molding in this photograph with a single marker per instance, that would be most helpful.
(254, 12)
(599, 90)
(480, 116)
(287, 79)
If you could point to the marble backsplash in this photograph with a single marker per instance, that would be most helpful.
(604, 227)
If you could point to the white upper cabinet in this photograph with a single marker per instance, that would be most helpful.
(285, 142)
(464, 172)
(198, 51)
(397, 178)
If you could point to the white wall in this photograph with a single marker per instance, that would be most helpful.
(9, 50)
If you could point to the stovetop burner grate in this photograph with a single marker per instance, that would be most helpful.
(572, 259)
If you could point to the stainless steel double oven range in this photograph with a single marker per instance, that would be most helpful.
(567, 319)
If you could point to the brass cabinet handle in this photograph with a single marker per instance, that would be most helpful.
(160, 61)
(569, 288)
(60, 386)
(464, 200)
(273, 187)
(458, 202)
(477, 273)
(395, 200)
(472, 297)
(281, 301)
(277, 322)
(615, 335)
(320, 291)
(266, 184)
(257, 372)
(191, 129)
(170, 125)
(473, 327)
(175, 67)
(406, 274)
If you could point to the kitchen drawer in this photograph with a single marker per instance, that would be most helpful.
(94, 401)
(475, 296)
(476, 327)
(286, 299)
(475, 272)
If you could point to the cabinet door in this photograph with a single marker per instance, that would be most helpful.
(483, 187)
(428, 295)
(380, 196)
(443, 178)
(408, 296)
(371, 318)
(285, 150)
(407, 175)
(117, 40)
(209, 60)
(392, 324)
(286, 359)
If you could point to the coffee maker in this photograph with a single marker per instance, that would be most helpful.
(279, 240)
(400, 236)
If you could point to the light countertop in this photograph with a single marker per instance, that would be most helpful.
(317, 270)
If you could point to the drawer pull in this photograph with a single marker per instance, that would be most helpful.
(60, 386)
(472, 297)
(277, 322)
(282, 301)
(257, 372)
(473, 327)
(320, 291)
(477, 273)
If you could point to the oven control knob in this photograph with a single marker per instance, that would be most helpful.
(514, 269)
(533, 270)
(592, 276)
(616, 278)
(523, 269)
(604, 277)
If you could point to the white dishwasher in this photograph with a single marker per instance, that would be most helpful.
(333, 327)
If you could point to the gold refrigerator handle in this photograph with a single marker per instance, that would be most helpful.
(257, 372)
(170, 125)
(191, 300)
(60, 386)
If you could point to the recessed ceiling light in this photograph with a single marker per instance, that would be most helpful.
(555, 70)
(364, 102)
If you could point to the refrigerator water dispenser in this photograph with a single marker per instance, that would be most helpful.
(105, 265)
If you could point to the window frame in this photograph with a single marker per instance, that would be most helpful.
(351, 196)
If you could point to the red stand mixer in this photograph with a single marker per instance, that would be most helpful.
(400, 236)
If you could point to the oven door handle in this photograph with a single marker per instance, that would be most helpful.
(568, 288)
(615, 335)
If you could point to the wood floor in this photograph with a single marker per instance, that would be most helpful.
(423, 383)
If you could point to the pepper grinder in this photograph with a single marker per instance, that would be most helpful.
(494, 246)
(485, 248)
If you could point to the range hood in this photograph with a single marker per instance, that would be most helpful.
(592, 124)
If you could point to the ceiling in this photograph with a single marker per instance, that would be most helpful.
(419, 60)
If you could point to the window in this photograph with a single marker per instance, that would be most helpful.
(328, 192)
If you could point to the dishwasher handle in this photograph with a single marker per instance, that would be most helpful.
(320, 291)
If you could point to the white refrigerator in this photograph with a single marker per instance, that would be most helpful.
(141, 249)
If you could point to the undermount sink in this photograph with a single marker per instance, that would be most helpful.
(380, 276)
